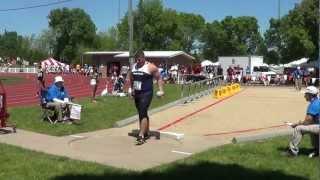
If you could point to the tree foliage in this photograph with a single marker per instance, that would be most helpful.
(158, 28)
(232, 36)
(107, 41)
(295, 35)
(13, 46)
(72, 28)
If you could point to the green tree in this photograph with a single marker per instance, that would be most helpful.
(158, 28)
(232, 36)
(13, 46)
(190, 27)
(9, 44)
(107, 41)
(295, 35)
(297, 44)
(72, 28)
(214, 40)
(45, 41)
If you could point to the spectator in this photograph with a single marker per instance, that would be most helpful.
(57, 98)
(220, 71)
(78, 68)
(94, 81)
(297, 76)
(230, 73)
(248, 70)
(100, 70)
(114, 76)
(310, 125)
(124, 71)
(119, 84)
(40, 77)
(306, 77)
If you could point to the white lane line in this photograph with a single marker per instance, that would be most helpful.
(181, 152)
(76, 136)
(177, 136)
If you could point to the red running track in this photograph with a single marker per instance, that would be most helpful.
(25, 93)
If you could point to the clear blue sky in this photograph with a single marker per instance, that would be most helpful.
(104, 13)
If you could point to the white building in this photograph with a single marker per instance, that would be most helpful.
(241, 61)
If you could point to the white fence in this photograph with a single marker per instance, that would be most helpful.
(18, 70)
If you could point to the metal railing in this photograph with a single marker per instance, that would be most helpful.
(192, 90)
(17, 70)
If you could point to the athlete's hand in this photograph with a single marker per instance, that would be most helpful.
(160, 93)
(130, 93)
(293, 125)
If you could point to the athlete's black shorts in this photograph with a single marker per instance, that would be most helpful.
(142, 102)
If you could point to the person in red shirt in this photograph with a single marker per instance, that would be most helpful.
(230, 73)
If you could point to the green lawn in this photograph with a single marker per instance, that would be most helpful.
(247, 161)
(101, 115)
(10, 80)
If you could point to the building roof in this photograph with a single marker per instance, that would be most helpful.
(178, 57)
(103, 52)
(148, 54)
(157, 54)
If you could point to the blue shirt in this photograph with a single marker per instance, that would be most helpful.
(314, 109)
(56, 92)
(297, 74)
(248, 70)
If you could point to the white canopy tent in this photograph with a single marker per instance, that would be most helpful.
(206, 63)
(157, 54)
(50, 62)
(122, 57)
(296, 62)
(216, 64)
(174, 68)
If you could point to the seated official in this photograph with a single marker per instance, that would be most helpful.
(57, 97)
(310, 125)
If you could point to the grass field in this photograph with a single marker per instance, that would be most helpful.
(255, 160)
(10, 80)
(101, 115)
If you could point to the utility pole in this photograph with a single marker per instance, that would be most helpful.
(117, 32)
(319, 52)
(319, 59)
(119, 5)
(279, 19)
(279, 9)
(130, 21)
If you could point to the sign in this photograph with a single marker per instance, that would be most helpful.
(75, 111)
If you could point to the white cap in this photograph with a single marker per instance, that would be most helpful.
(298, 67)
(312, 90)
(58, 79)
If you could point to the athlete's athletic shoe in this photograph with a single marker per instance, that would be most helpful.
(289, 153)
(140, 140)
(146, 136)
(314, 153)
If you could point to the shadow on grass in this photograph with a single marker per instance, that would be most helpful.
(203, 170)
